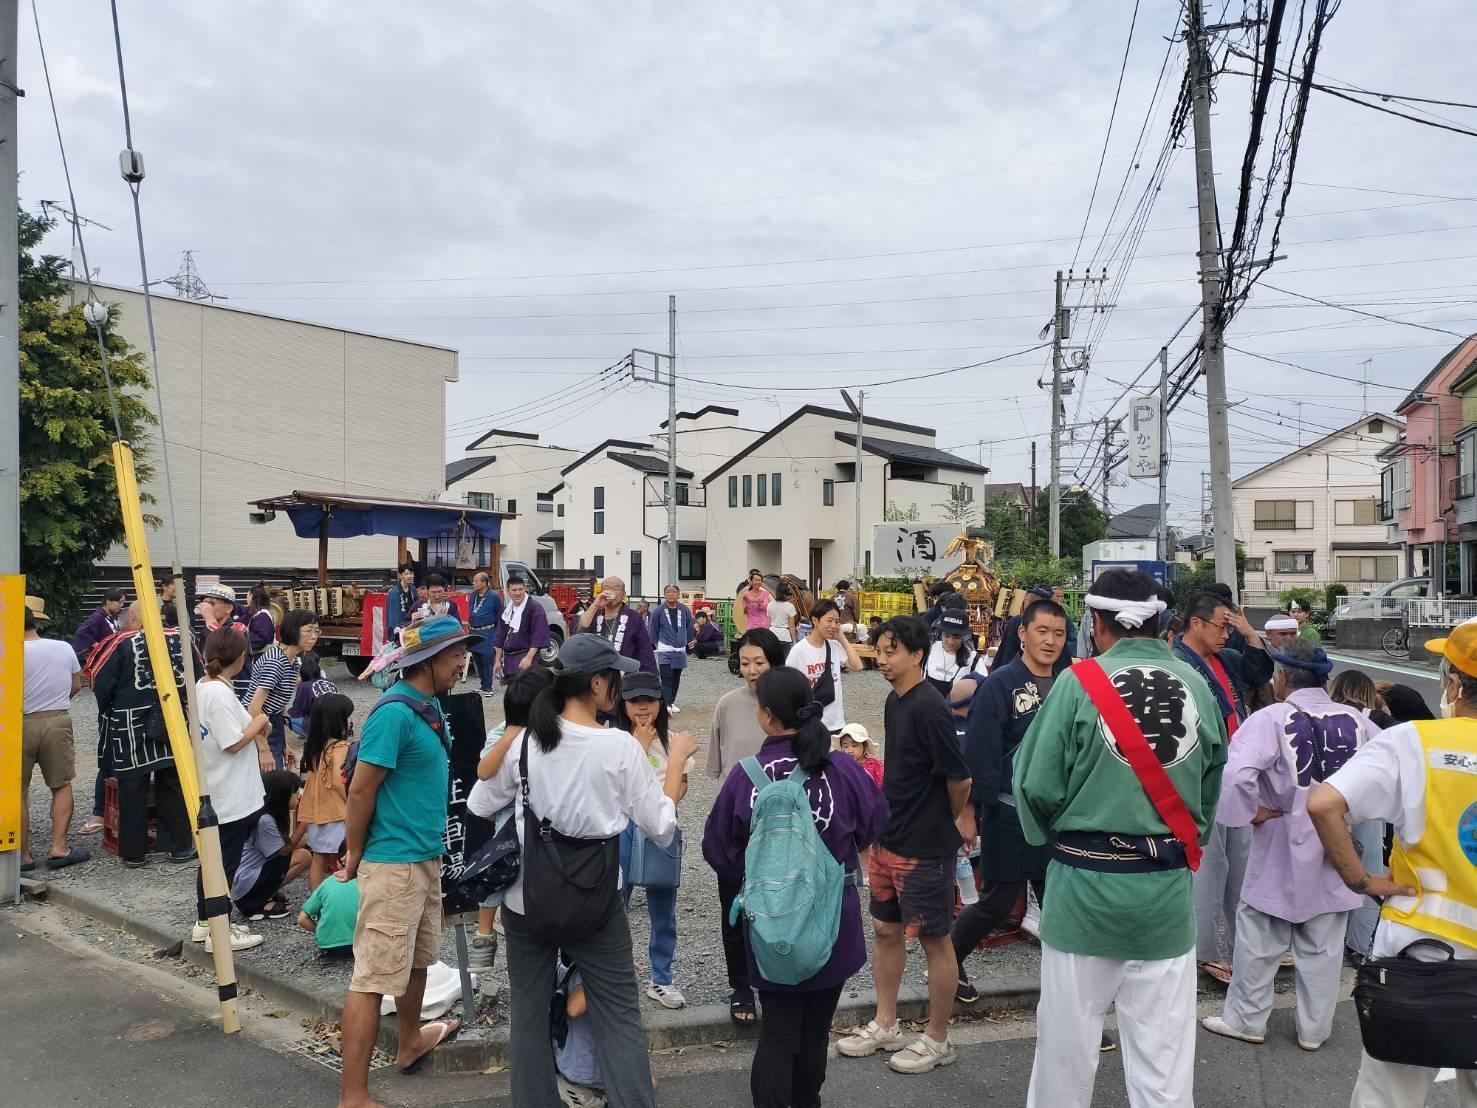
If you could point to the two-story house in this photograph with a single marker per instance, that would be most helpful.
(1312, 517)
(786, 502)
(511, 471)
(1463, 490)
(1417, 483)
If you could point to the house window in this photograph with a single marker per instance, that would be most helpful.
(559, 510)
(1356, 513)
(599, 523)
(544, 559)
(635, 573)
(1368, 567)
(545, 506)
(682, 492)
(692, 561)
(599, 565)
(748, 491)
(763, 483)
(774, 489)
(828, 493)
(733, 492)
(1466, 470)
(1387, 494)
(599, 496)
(1402, 482)
(1294, 561)
(1282, 515)
(1256, 565)
(484, 500)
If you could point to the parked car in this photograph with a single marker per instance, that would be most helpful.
(540, 593)
(1378, 603)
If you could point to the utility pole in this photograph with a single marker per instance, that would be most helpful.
(1058, 336)
(1031, 507)
(1212, 291)
(1164, 551)
(858, 409)
(672, 441)
(10, 428)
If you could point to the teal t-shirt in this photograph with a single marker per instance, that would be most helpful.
(410, 808)
(334, 907)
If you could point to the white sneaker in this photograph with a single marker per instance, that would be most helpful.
(1217, 1026)
(241, 939)
(578, 1096)
(868, 1040)
(199, 933)
(668, 996)
(923, 1055)
(676, 711)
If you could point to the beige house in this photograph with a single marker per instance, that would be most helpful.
(256, 406)
(513, 472)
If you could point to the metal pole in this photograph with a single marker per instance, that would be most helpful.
(1054, 531)
(671, 440)
(1031, 508)
(1211, 293)
(10, 388)
(469, 998)
(1164, 551)
(856, 538)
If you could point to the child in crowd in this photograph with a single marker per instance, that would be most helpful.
(268, 860)
(854, 741)
(311, 685)
(331, 914)
(576, 1065)
(325, 801)
(519, 692)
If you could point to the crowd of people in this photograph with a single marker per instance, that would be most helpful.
(1201, 796)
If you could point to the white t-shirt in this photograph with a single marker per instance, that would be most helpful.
(780, 614)
(590, 786)
(658, 759)
(811, 661)
(944, 666)
(1386, 780)
(234, 780)
(47, 682)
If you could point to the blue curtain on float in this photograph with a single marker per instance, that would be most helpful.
(413, 523)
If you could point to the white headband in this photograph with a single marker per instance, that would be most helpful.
(1130, 613)
(1281, 623)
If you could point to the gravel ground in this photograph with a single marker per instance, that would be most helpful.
(165, 893)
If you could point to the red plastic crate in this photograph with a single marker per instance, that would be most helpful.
(110, 817)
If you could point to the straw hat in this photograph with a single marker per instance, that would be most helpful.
(37, 605)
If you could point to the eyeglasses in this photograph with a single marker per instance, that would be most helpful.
(1223, 628)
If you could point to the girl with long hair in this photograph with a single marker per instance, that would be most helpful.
(325, 799)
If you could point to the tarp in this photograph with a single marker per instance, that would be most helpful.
(413, 523)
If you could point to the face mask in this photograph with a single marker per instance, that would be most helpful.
(1448, 707)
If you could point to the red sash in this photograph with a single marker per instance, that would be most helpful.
(1141, 757)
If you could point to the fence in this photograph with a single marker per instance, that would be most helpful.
(1431, 613)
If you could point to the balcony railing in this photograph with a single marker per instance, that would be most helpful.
(1462, 486)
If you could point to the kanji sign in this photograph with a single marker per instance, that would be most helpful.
(1144, 444)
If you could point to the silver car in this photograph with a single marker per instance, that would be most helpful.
(1388, 602)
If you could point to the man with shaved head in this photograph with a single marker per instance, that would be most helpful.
(610, 615)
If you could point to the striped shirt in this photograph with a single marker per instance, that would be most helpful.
(276, 673)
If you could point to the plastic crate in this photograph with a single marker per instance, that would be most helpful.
(723, 613)
(110, 817)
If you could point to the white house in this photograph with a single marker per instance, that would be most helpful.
(785, 503)
(256, 406)
(1312, 517)
(511, 471)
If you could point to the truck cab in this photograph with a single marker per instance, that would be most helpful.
(539, 593)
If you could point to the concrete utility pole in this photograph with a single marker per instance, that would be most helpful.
(1059, 329)
(1031, 508)
(1212, 291)
(1164, 551)
(10, 389)
(672, 441)
(859, 410)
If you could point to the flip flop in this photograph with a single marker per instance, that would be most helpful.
(449, 1028)
(741, 1008)
(71, 858)
(28, 867)
(92, 827)
(1218, 970)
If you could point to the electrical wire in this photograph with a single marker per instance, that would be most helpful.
(1112, 115)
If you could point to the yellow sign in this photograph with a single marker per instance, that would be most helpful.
(12, 671)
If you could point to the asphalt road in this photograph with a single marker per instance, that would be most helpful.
(1421, 678)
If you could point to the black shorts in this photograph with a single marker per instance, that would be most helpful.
(916, 892)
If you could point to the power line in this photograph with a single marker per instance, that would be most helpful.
(1112, 115)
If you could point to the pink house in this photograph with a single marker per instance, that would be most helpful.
(1418, 486)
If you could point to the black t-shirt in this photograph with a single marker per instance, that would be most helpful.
(922, 756)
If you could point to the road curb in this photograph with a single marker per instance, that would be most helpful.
(479, 1050)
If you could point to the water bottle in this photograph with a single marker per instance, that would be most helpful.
(964, 878)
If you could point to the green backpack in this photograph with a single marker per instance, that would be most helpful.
(791, 897)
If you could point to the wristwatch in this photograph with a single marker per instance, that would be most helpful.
(1362, 884)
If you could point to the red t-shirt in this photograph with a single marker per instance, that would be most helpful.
(1226, 687)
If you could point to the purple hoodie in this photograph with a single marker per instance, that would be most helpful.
(849, 812)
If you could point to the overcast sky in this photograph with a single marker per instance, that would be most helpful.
(838, 194)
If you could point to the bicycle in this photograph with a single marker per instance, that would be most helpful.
(1396, 641)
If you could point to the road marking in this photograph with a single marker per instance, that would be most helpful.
(1392, 666)
(1446, 1075)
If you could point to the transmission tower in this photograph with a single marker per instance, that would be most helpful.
(188, 283)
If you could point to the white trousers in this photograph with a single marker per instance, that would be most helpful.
(1156, 1029)
(1386, 1085)
(1218, 892)
(1318, 958)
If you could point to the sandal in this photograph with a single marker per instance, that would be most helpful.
(741, 1007)
(94, 826)
(449, 1028)
(1217, 970)
(276, 908)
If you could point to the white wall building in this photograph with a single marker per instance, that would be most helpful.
(1312, 517)
(511, 471)
(785, 503)
(256, 406)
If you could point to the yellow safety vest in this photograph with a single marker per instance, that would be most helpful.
(1442, 864)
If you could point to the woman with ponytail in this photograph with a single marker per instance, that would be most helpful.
(849, 812)
(587, 782)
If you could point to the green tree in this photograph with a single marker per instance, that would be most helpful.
(1003, 526)
(959, 508)
(893, 513)
(1082, 522)
(68, 489)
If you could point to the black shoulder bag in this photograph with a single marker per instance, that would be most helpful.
(569, 885)
(1415, 1013)
(824, 689)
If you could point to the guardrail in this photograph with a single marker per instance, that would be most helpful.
(1425, 612)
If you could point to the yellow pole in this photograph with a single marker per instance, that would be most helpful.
(197, 802)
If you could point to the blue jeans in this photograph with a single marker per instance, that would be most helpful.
(1369, 837)
(661, 911)
(671, 682)
(483, 664)
(277, 739)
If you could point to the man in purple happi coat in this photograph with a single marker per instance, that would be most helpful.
(612, 617)
(98, 626)
(1292, 896)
